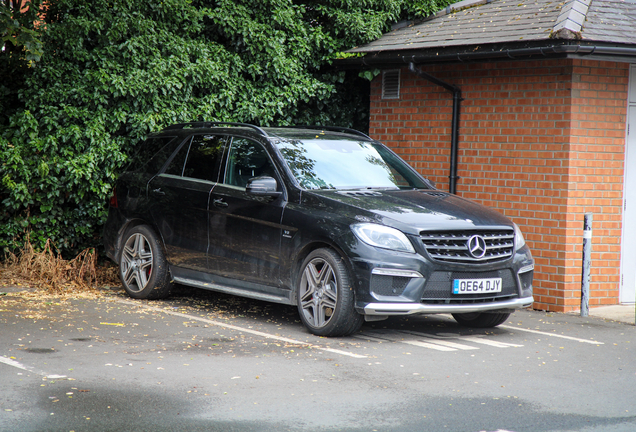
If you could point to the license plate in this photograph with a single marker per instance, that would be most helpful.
(476, 286)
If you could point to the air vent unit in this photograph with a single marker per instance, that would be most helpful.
(391, 84)
(437, 194)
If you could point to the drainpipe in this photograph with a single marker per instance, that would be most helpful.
(457, 98)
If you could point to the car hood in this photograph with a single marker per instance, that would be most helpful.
(410, 211)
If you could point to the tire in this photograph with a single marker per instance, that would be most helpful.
(326, 297)
(480, 319)
(143, 269)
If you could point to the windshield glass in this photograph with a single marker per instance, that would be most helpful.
(327, 163)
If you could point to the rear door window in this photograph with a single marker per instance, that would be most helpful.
(199, 159)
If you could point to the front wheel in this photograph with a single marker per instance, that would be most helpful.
(325, 295)
(481, 319)
(143, 269)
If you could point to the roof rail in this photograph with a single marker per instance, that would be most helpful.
(204, 124)
(331, 129)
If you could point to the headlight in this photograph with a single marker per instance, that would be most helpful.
(383, 237)
(519, 240)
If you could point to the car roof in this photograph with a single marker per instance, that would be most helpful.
(283, 132)
(306, 132)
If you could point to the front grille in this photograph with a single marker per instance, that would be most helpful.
(452, 246)
(439, 287)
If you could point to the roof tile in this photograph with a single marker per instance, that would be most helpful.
(472, 22)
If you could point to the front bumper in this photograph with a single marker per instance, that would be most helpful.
(390, 283)
(414, 308)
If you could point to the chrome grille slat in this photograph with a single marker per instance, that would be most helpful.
(503, 246)
(469, 259)
(452, 246)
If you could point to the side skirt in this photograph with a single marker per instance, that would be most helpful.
(214, 283)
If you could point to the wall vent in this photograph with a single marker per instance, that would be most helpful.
(391, 84)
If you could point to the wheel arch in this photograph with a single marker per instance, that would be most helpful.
(125, 227)
(304, 252)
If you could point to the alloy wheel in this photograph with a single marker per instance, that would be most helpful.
(318, 292)
(136, 262)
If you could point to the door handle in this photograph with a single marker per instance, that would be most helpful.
(219, 203)
(158, 191)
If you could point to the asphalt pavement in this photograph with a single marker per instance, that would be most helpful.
(204, 361)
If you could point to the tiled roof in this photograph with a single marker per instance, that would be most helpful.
(611, 21)
(473, 22)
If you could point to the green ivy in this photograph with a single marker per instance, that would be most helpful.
(110, 71)
(20, 49)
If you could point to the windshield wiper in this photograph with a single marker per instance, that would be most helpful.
(381, 188)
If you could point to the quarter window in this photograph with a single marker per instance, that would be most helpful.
(152, 154)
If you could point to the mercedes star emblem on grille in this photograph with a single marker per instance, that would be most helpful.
(477, 246)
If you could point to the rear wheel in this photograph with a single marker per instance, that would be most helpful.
(481, 319)
(143, 269)
(325, 295)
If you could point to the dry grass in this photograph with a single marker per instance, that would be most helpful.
(47, 270)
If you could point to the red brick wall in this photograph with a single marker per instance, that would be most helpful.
(541, 141)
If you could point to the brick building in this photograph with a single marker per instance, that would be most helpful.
(544, 93)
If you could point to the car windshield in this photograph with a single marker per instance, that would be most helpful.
(327, 163)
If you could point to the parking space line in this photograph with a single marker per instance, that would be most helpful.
(451, 344)
(391, 336)
(241, 329)
(428, 345)
(422, 340)
(388, 337)
(540, 332)
(370, 338)
(441, 340)
(439, 343)
(553, 335)
(484, 341)
(17, 364)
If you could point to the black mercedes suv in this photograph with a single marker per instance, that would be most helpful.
(326, 219)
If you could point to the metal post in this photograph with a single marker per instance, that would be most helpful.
(587, 260)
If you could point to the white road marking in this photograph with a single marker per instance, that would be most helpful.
(19, 365)
(397, 338)
(489, 342)
(442, 340)
(552, 335)
(540, 332)
(436, 342)
(242, 329)
(372, 338)
(428, 345)
(452, 344)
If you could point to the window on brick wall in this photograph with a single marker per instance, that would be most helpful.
(391, 84)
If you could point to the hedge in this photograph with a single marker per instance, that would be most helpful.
(106, 73)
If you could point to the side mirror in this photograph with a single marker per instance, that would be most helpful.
(263, 186)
